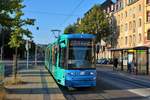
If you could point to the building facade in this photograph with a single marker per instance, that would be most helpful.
(132, 32)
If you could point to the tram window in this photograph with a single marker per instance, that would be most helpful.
(62, 58)
(56, 52)
(53, 56)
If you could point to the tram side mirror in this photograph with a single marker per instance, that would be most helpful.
(62, 45)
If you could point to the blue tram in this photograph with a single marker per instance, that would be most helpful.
(71, 60)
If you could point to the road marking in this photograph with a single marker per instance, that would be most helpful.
(145, 92)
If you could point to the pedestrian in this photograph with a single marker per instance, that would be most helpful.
(129, 67)
(133, 66)
(115, 63)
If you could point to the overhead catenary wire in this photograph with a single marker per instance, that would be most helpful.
(72, 12)
(50, 13)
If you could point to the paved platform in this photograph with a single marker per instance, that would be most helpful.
(37, 84)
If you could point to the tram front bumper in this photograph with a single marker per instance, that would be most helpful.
(80, 83)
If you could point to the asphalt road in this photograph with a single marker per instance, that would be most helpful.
(111, 86)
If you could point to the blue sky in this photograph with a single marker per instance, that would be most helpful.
(54, 14)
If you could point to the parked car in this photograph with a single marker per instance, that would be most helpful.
(105, 61)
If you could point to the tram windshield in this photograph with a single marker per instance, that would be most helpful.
(81, 54)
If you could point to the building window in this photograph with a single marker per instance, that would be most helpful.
(121, 15)
(148, 1)
(126, 27)
(133, 15)
(121, 30)
(121, 40)
(139, 7)
(134, 40)
(120, 5)
(112, 7)
(140, 38)
(140, 22)
(108, 10)
(126, 14)
(134, 26)
(118, 19)
(126, 40)
(125, 2)
(129, 1)
(130, 40)
(148, 34)
(148, 16)
(130, 25)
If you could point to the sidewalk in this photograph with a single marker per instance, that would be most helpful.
(144, 78)
(37, 84)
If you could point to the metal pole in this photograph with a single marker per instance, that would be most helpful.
(27, 48)
(27, 59)
(2, 42)
(35, 55)
(1, 52)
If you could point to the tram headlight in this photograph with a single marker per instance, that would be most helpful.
(91, 73)
(94, 78)
(71, 73)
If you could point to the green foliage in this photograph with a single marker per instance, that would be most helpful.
(70, 29)
(11, 17)
(95, 22)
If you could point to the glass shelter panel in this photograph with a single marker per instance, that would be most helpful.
(141, 61)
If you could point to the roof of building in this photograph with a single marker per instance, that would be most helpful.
(107, 3)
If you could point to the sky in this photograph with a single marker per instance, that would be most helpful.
(54, 14)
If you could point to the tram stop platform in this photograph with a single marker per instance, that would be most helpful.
(36, 84)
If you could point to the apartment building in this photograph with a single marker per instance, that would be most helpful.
(132, 21)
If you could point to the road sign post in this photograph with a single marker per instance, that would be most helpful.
(27, 49)
(35, 55)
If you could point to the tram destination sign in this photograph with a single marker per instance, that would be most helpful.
(80, 43)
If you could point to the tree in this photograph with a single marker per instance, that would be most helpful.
(70, 29)
(11, 17)
(95, 22)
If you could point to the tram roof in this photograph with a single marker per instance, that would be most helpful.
(78, 35)
(73, 36)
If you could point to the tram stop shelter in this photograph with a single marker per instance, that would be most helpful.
(140, 55)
